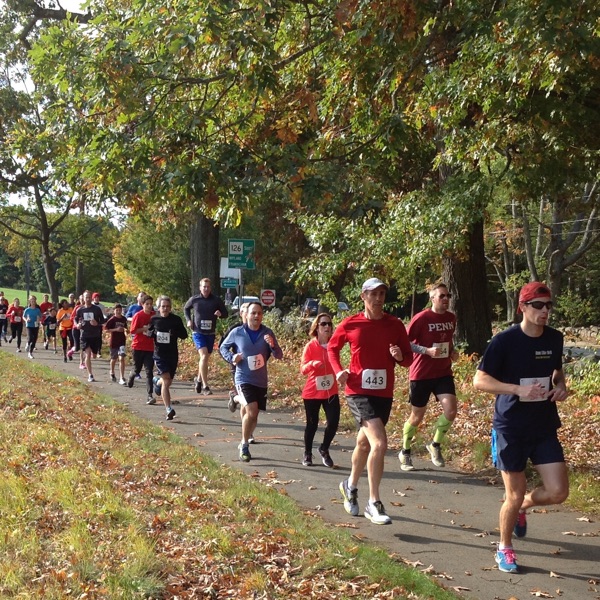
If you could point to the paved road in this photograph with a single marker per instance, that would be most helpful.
(442, 520)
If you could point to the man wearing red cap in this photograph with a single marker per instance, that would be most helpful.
(523, 367)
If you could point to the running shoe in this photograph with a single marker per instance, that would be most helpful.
(251, 439)
(206, 391)
(70, 353)
(130, 380)
(307, 460)
(521, 525)
(507, 560)
(170, 414)
(436, 454)
(350, 498)
(244, 453)
(327, 461)
(45, 345)
(18, 349)
(375, 512)
(122, 381)
(232, 404)
(198, 385)
(65, 359)
(29, 355)
(406, 463)
(157, 385)
(91, 379)
(151, 400)
(82, 366)
(113, 377)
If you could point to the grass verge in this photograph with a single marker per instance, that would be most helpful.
(97, 503)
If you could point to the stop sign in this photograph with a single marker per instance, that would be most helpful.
(267, 297)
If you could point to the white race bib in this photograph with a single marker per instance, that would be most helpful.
(206, 325)
(256, 362)
(51, 326)
(163, 337)
(374, 379)
(88, 316)
(16, 319)
(444, 349)
(122, 351)
(543, 381)
(2, 317)
(324, 382)
(34, 324)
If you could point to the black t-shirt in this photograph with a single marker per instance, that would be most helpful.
(84, 315)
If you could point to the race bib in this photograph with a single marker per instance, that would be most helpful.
(374, 379)
(163, 337)
(16, 319)
(444, 349)
(324, 382)
(2, 317)
(51, 326)
(256, 362)
(543, 381)
(35, 324)
(206, 324)
(88, 316)
(122, 351)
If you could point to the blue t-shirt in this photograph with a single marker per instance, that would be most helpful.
(512, 357)
(253, 368)
(32, 317)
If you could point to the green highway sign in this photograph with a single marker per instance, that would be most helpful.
(241, 254)
(229, 282)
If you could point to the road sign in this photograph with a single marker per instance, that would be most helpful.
(229, 282)
(267, 298)
(241, 254)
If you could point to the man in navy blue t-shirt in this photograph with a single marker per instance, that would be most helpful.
(523, 367)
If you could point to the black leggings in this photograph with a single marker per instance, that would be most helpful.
(32, 336)
(331, 406)
(76, 339)
(68, 338)
(144, 358)
(16, 331)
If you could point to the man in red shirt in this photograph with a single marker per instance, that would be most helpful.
(143, 348)
(430, 333)
(45, 307)
(378, 342)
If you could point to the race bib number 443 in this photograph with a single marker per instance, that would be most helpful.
(374, 379)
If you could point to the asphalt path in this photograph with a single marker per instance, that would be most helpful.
(443, 521)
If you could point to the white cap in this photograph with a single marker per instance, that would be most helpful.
(372, 284)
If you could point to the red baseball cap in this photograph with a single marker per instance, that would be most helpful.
(95, 295)
(532, 290)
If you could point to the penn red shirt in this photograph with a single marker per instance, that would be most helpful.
(140, 340)
(431, 329)
(371, 364)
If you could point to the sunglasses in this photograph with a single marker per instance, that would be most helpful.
(442, 296)
(325, 324)
(538, 304)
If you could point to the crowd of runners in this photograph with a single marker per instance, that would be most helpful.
(522, 366)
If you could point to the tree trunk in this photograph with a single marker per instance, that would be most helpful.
(467, 281)
(78, 277)
(205, 260)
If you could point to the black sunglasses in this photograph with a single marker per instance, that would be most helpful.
(325, 324)
(538, 304)
(442, 296)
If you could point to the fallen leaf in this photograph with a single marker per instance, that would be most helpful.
(553, 574)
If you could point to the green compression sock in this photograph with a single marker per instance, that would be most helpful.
(408, 433)
(441, 428)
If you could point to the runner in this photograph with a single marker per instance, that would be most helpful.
(136, 307)
(320, 390)
(143, 348)
(65, 328)
(89, 320)
(3, 317)
(202, 312)
(430, 333)
(116, 327)
(249, 347)
(50, 323)
(15, 316)
(76, 333)
(523, 367)
(96, 302)
(32, 316)
(166, 328)
(378, 342)
(45, 307)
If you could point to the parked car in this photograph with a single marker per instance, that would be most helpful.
(239, 300)
(310, 308)
(342, 308)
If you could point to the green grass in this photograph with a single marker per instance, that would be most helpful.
(11, 294)
(96, 502)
